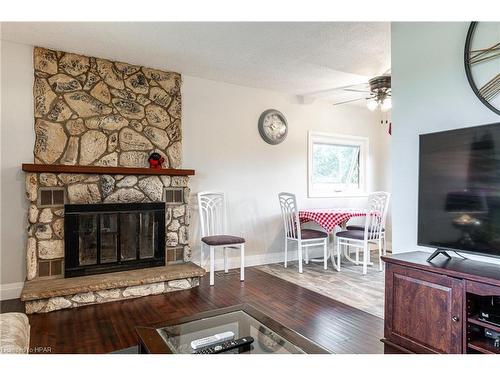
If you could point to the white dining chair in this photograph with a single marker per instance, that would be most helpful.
(212, 212)
(359, 237)
(376, 201)
(304, 238)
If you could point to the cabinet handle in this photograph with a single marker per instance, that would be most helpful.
(455, 318)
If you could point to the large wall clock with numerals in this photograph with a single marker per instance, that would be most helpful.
(482, 62)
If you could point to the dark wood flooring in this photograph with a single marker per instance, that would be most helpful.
(108, 327)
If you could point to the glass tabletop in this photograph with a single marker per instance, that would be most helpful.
(178, 337)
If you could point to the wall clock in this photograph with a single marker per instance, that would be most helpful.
(273, 127)
(482, 62)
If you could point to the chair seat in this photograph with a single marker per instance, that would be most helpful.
(352, 234)
(358, 227)
(222, 239)
(311, 234)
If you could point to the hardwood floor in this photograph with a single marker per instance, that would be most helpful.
(108, 327)
(364, 292)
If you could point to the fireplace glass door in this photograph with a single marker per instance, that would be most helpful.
(109, 238)
(130, 234)
(113, 237)
(87, 239)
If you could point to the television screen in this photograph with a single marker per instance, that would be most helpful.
(459, 190)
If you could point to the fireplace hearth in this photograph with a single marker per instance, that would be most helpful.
(102, 238)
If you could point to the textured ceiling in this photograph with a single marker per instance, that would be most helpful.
(296, 58)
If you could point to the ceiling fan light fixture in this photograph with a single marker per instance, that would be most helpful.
(386, 104)
(371, 104)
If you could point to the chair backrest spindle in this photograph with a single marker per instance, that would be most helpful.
(378, 204)
(290, 214)
(212, 211)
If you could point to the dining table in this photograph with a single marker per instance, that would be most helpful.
(331, 218)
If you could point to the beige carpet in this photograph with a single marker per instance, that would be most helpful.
(348, 286)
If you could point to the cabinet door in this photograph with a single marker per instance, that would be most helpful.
(423, 310)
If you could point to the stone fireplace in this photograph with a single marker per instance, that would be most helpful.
(92, 112)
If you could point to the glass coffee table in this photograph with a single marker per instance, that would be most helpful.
(270, 337)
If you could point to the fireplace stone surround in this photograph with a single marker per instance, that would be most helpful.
(46, 224)
(45, 294)
(97, 112)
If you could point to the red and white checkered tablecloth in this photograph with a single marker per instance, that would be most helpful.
(329, 218)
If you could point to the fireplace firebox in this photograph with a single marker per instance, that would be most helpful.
(102, 238)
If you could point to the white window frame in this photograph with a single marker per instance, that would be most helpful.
(338, 139)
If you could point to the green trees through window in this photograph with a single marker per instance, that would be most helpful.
(335, 164)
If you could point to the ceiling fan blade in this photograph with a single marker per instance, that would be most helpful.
(348, 101)
(353, 85)
(334, 89)
(354, 90)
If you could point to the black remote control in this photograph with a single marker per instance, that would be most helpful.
(225, 346)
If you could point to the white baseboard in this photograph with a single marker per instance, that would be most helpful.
(258, 259)
(252, 260)
(10, 291)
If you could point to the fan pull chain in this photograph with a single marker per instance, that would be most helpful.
(386, 120)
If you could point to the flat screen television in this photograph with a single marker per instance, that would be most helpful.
(459, 190)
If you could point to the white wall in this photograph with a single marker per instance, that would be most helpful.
(430, 93)
(17, 139)
(222, 143)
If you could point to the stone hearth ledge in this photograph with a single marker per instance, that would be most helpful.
(42, 296)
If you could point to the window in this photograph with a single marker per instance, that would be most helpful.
(337, 165)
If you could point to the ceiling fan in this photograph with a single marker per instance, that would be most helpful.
(376, 92)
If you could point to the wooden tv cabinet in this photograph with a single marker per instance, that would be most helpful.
(432, 307)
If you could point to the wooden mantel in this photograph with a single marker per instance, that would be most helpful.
(92, 169)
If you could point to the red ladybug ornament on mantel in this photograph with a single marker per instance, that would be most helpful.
(155, 160)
